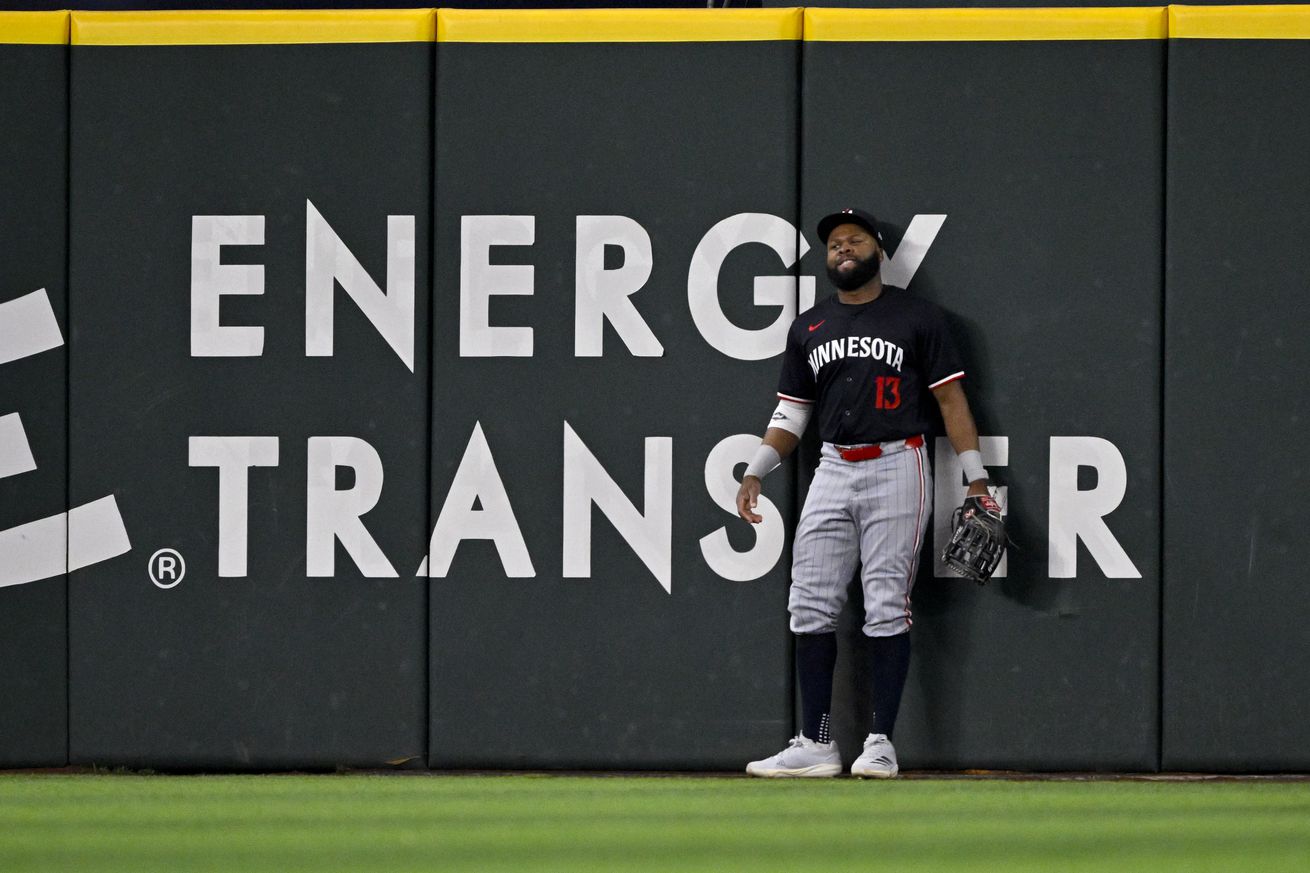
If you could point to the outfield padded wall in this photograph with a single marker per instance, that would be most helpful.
(33, 371)
(1236, 338)
(1019, 160)
(1031, 138)
(254, 660)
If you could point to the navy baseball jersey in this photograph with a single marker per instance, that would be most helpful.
(868, 367)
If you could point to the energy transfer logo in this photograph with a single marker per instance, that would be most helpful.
(66, 541)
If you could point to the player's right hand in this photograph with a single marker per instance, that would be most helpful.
(747, 496)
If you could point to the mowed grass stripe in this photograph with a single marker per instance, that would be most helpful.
(511, 823)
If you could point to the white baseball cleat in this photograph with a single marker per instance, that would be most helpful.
(802, 757)
(878, 760)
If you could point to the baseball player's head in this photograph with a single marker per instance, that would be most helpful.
(854, 247)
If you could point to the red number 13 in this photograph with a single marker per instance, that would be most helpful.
(889, 392)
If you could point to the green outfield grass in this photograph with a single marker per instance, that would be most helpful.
(630, 823)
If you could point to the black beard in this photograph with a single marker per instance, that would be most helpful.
(862, 272)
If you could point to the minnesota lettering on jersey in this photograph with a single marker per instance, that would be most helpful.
(856, 347)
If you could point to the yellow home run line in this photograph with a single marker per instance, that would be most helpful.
(618, 25)
(34, 28)
(654, 25)
(1239, 22)
(984, 25)
(256, 27)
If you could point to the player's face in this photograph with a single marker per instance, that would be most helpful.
(853, 256)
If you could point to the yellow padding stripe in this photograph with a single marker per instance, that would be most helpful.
(255, 27)
(1239, 22)
(34, 28)
(984, 25)
(618, 25)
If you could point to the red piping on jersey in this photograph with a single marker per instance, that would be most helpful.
(795, 399)
(918, 528)
(951, 378)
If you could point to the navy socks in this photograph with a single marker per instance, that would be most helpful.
(816, 656)
(889, 662)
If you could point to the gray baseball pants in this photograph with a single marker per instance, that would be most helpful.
(868, 514)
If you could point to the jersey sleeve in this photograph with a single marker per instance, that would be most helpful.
(797, 379)
(941, 357)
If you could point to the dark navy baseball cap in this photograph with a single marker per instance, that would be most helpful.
(849, 216)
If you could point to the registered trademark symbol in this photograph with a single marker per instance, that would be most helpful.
(167, 568)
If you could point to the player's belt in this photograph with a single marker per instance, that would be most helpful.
(877, 450)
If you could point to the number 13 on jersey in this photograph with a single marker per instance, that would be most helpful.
(888, 392)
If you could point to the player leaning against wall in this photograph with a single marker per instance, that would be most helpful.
(861, 363)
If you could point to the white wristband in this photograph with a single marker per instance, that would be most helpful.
(971, 463)
(766, 460)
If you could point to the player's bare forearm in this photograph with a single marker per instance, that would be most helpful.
(961, 429)
(784, 443)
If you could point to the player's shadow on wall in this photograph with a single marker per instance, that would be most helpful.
(1025, 583)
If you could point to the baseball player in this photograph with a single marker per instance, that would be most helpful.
(863, 364)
